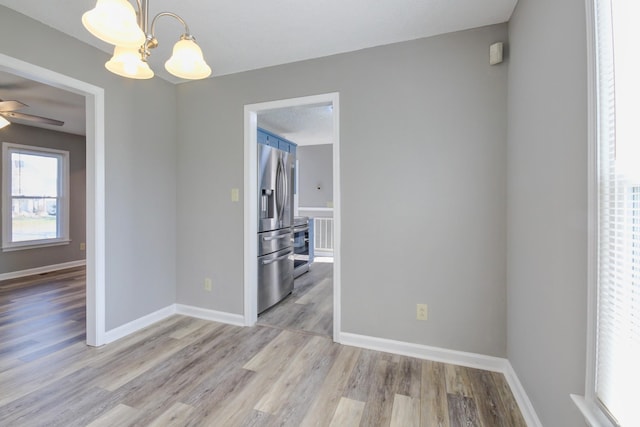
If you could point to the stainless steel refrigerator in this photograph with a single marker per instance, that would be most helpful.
(275, 225)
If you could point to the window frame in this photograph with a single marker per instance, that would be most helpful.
(62, 206)
(589, 405)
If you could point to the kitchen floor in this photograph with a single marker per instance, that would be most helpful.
(309, 308)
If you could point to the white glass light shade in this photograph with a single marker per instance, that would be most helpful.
(4, 122)
(187, 61)
(115, 22)
(126, 62)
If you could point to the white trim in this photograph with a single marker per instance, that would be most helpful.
(337, 221)
(96, 220)
(33, 244)
(592, 201)
(443, 355)
(593, 416)
(41, 270)
(140, 323)
(526, 407)
(437, 354)
(251, 208)
(206, 314)
(95, 177)
(159, 315)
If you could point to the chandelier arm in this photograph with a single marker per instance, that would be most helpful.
(140, 15)
(143, 15)
(173, 15)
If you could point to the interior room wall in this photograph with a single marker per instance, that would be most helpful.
(140, 145)
(547, 208)
(315, 175)
(76, 146)
(423, 214)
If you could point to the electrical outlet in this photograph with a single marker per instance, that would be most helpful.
(83, 246)
(421, 311)
(207, 284)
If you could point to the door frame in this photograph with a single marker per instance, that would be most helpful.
(251, 204)
(95, 183)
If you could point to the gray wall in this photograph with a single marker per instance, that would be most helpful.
(547, 209)
(315, 170)
(140, 134)
(432, 114)
(423, 166)
(75, 145)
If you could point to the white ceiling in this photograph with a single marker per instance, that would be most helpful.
(250, 34)
(308, 125)
(244, 35)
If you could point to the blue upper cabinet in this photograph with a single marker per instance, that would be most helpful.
(284, 145)
(291, 147)
(268, 138)
(262, 138)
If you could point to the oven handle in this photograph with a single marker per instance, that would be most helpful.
(282, 236)
(300, 229)
(271, 261)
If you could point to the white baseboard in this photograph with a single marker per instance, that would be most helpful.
(206, 314)
(437, 354)
(525, 405)
(140, 323)
(148, 320)
(43, 269)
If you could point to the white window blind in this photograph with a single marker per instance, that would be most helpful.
(618, 325)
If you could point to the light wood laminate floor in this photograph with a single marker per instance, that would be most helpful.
(309, 308)
(190, 372)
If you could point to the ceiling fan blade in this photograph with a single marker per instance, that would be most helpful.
(32, 118)
(11, 105)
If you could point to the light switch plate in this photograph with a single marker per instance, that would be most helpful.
(235, 195)
(421, 311)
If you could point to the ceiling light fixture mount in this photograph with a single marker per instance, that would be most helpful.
(116, 22)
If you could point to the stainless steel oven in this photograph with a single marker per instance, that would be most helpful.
(302, 244)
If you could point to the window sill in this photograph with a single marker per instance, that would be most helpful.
(591, 413)
(35, 245)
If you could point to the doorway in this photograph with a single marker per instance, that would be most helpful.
(95, 185)
(251, 113)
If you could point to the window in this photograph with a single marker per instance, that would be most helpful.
(35, 202)
(613, 358)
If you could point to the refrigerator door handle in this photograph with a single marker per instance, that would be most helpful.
(281, 257)
(281, 178)
(278, 186)
(285, 187)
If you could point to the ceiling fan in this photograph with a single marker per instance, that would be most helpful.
(8, 111)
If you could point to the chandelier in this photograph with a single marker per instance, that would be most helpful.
(116, 22)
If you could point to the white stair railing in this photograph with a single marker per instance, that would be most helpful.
(323, 236)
